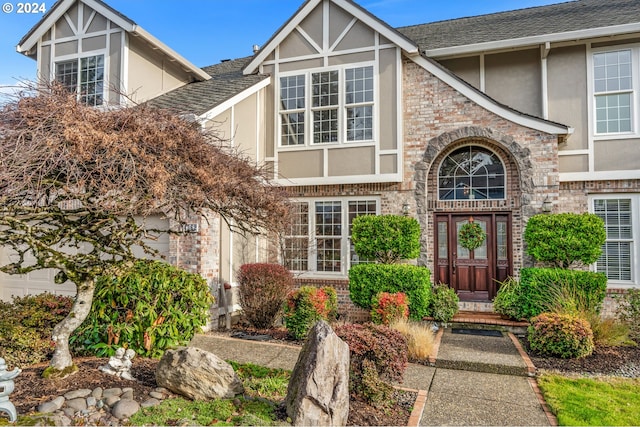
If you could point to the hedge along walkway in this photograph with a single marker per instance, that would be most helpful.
(446, 396)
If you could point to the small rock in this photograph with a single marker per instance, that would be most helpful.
(97, 393)
(99, 404)
(69, 412)
(156, 395)
(91, 401)
(52, 405)
(112, 392)
(127, 395)
(125, 408)
(126, 389)
(74, 394)
(95, 417)
(85, 412)
(150, 402)
(77, 404)
(62, 420)
(111, 400)
(161, 390)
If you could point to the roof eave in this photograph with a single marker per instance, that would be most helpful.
(533, 40)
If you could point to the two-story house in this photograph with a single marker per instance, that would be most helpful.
(493, 118)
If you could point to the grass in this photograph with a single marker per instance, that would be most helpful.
(264, 389)
(592, 401)
(420, 338)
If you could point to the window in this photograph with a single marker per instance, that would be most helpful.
(84, 76)
(340, 104)
(319, 238)
(471, 173)
(617, 252)
(613, 91)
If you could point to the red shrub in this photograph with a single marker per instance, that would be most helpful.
(388, 307)
(262, 290)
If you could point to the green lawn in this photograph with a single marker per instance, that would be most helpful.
(592, 402)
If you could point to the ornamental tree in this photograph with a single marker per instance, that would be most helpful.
(77, 182)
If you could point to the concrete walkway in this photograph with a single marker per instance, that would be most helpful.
(476, 380)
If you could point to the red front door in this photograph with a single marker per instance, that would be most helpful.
(473, 273)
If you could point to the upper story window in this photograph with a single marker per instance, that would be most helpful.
(327, 107)
(85, 76)
(613, 91)
(471, 173)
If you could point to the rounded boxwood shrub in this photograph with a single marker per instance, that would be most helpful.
(367, 280)
(560, 335)
(388, 307)
(444, 303)
(262, 291)
(307, 305)
(149, 308)
(562, 239)
(386, 238)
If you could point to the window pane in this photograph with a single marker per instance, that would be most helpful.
(612, 71)
(325, 89)
(359, 85)
(501, 238)
(471, 173)
(359, 123)
(67, 74)
(292, 92)
(296, 243)
(328, 236)
(615, 260)
(357, 208)
(325, 126)
(292, 129)
(443, 241)
(613, 113)
(92, 80)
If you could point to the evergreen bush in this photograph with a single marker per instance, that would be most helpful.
(367, 280)
(149, 308)
(444, 303)
(508, 299)
(262, 291)
(560, 335)
(307, 305)
(566, 238)
(386, 238)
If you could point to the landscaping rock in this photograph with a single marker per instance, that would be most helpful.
(125, 408)
(127, 395)
(78, 404)
(156, 395)
(150, 402)
(97, 393)
(74, 394)
(111, 392)
(52, 405)
(318, 392)
(197, 374)
(111, 400)
(91, 401)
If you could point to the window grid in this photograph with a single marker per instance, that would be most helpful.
(292, 105)
(616, 258)
(613, 87)
(471, 173)
(324, 103)
(357, 208)
(359, 100)
(92, 80)
(328, 236)
(296, 245)
(67, 74)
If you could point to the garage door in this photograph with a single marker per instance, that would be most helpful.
(41, 281)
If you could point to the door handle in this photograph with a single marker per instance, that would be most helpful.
(454, 264)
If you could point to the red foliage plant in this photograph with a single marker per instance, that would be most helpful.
(388, 307)
(262, 290)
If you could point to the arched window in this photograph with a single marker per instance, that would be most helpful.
(471, 172)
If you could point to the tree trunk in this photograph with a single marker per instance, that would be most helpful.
(79, 311)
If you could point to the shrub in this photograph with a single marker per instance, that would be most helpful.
(507, 301)
(378, 356)
(543, 289)
(629, 312)
(386, 238)
(420, 338)
(262, 291)
(560, 335)
(444, 303)
(149, 308)
(26, 326)
(562, 239)
(608, 331)
(389, 307)
(367, 280)
(305, 306)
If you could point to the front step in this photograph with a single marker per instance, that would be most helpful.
(487, 320)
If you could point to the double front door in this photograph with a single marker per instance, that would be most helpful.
(473, 273)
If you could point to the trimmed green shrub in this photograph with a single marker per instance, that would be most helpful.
(149, 308)
(26, 325)
(262, 291)
(508, 299)
(444, 303)
(386, 238)
(307, 305)
(562, 239)
(545, 289)
(367, 280)
(388, 307)
(629, 312)
(378, 357)
(561, 335)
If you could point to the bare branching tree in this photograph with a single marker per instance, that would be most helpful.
(75, 182)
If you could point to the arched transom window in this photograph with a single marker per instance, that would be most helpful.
(471, 172)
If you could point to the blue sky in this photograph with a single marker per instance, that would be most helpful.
(207, 31)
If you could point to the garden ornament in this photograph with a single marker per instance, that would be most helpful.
(6, 387)
(120, 364)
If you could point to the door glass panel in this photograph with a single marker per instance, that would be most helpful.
(501, 237)
(443, 244)
(463, 253)
(481, 251)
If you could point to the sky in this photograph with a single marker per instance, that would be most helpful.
(207, 31)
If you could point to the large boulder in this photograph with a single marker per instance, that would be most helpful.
(318, 392)
(197, 374)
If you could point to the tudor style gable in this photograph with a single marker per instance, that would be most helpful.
(101, 54)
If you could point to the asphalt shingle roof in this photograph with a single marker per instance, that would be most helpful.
(197, 98)
(534, 21)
